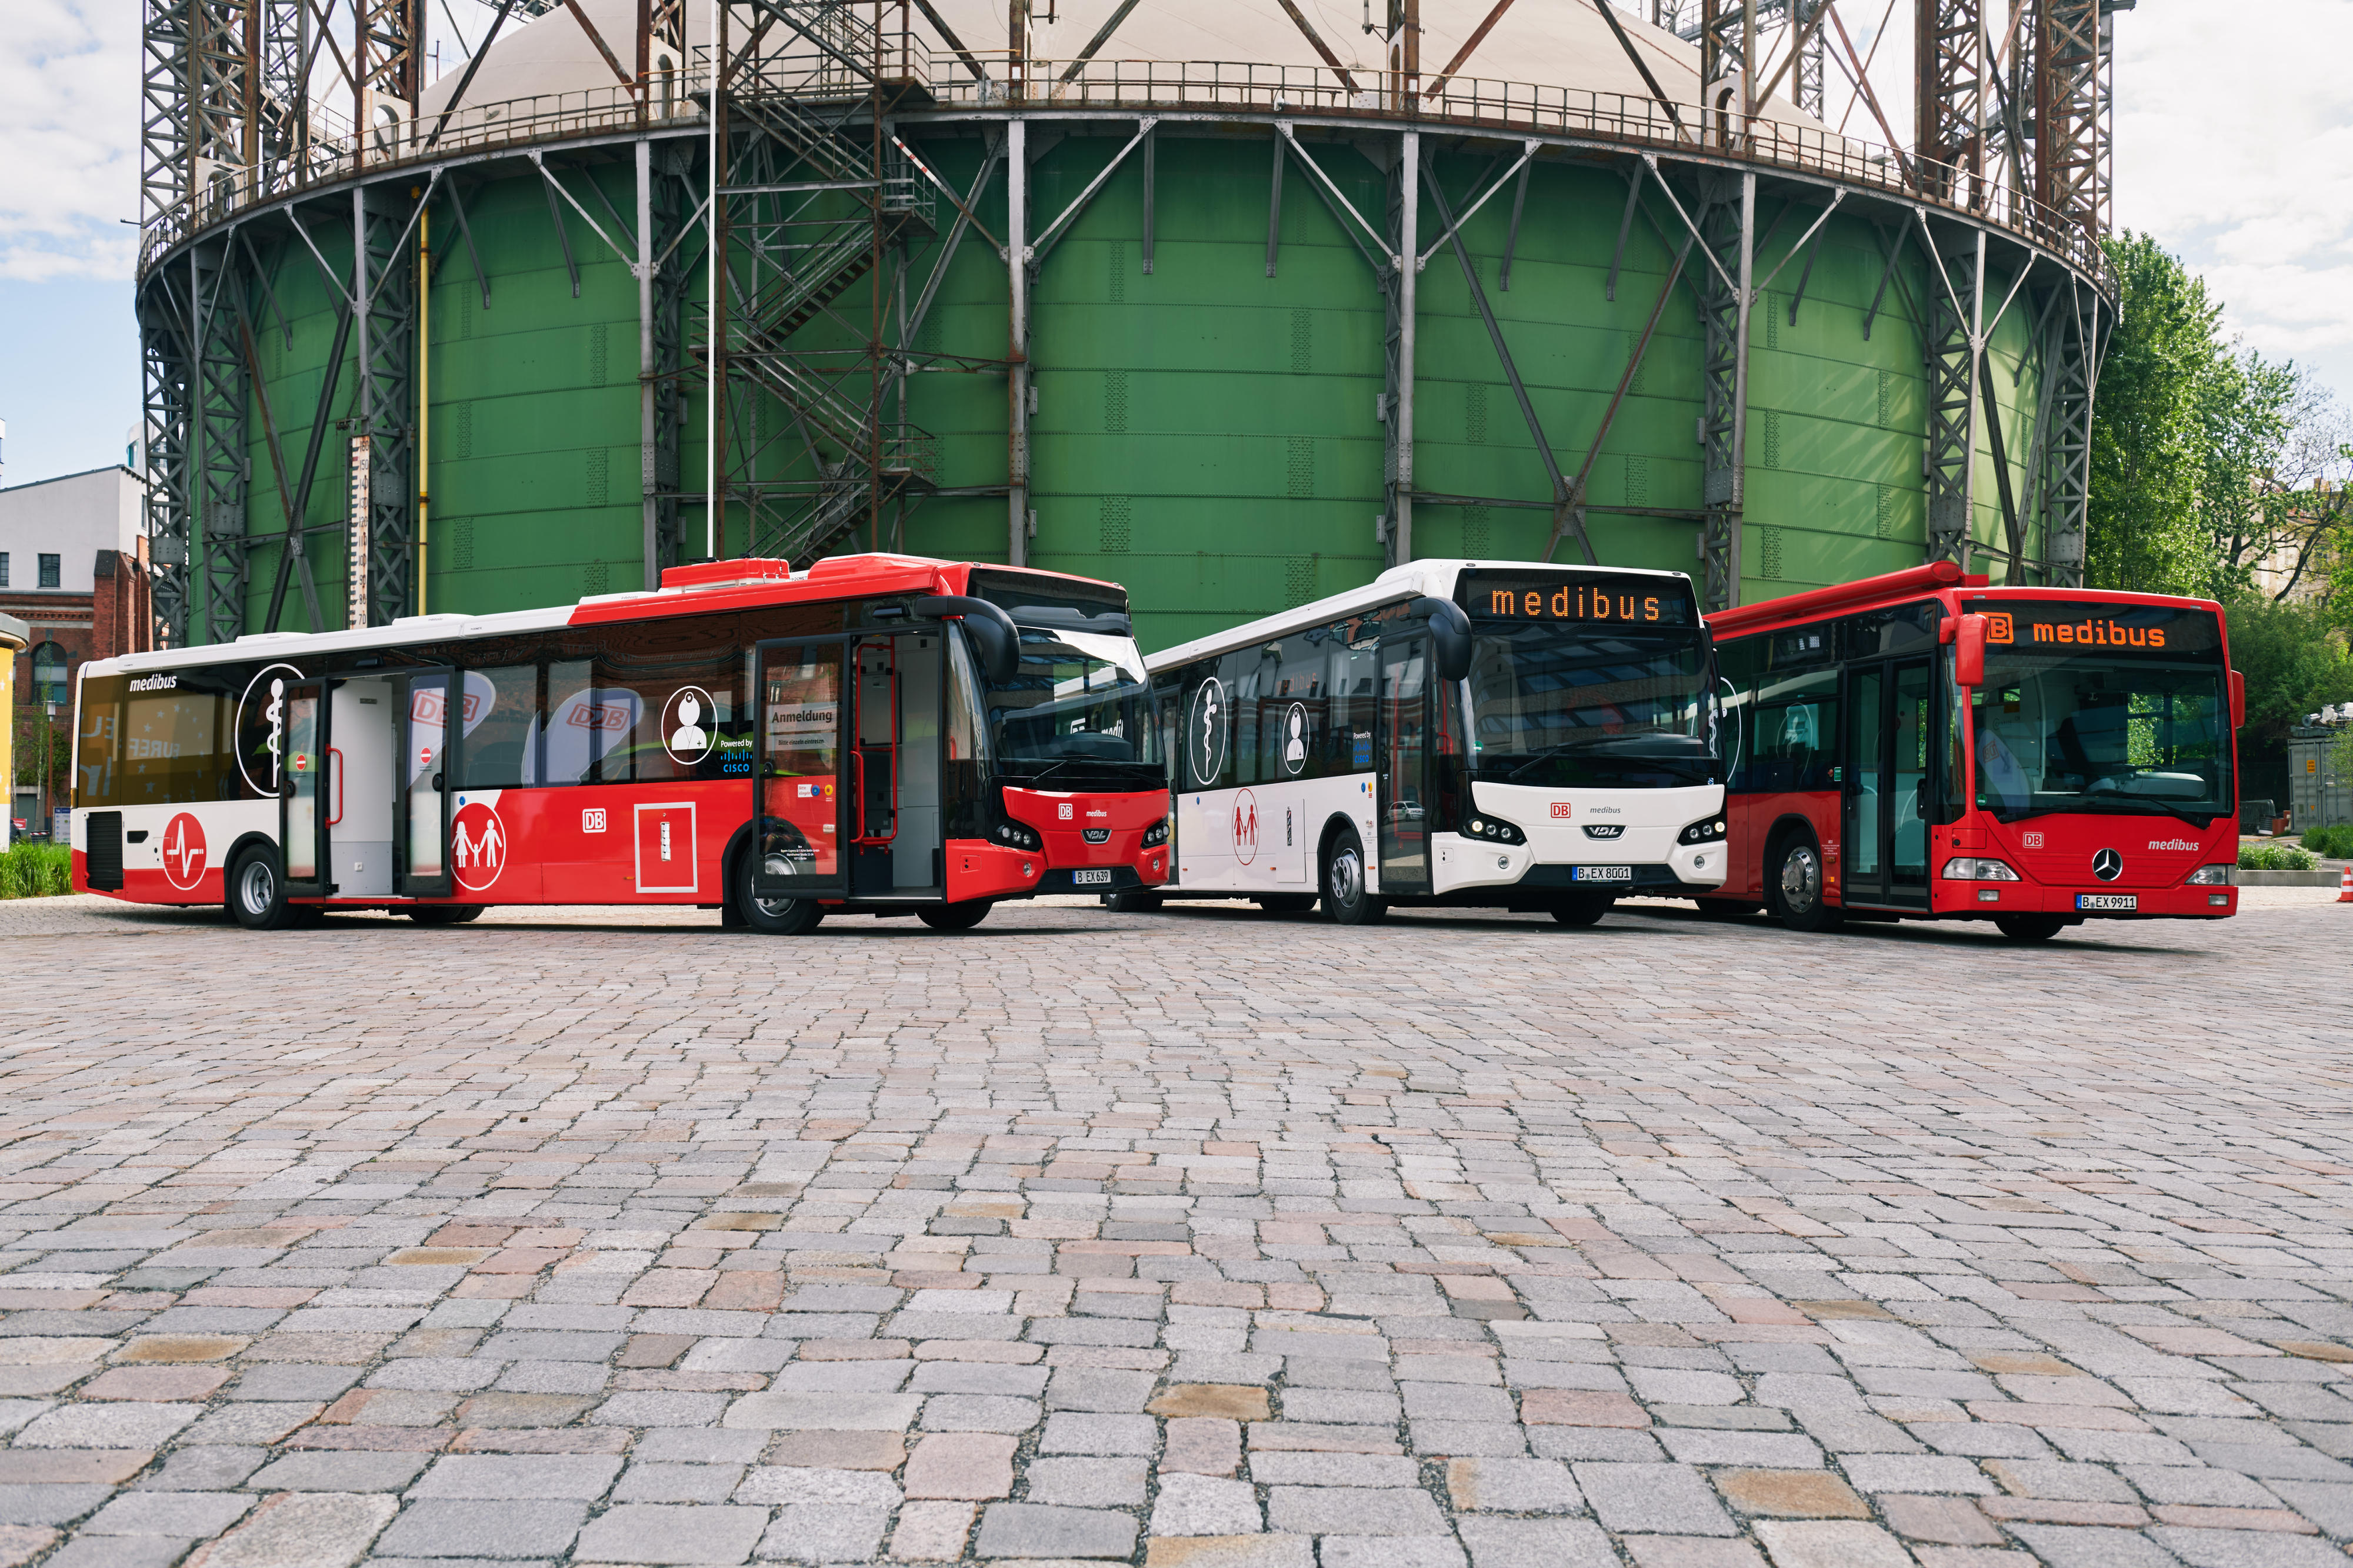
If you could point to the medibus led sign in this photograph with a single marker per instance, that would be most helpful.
(2117, 629)
(1636, 601)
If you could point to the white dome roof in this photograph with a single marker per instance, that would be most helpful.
(1548, 43)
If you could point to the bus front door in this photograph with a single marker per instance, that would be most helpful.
(1404, 752)
(1883, 830)
(898, 766)
(426, 771)
(301, 799)
(802, 778)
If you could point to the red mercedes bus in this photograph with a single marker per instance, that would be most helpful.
(880, 734)
(1924, 746)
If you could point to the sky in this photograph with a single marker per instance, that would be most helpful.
(2227, 149)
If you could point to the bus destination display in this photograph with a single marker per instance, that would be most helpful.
(2045, 628)
(1613, 598)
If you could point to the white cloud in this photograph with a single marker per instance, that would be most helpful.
(2234, 147)
(70, 119)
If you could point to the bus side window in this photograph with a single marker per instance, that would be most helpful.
(499, 714)
(1796, 733)
(1735, 664)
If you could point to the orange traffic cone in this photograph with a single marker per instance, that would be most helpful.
(2345, 886)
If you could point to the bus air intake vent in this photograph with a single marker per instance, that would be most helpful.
(105, 857)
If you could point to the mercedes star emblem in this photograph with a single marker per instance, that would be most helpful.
(2107, 865)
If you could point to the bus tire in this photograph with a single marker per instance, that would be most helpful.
(1346, 902)
(257, 893)
(445, 914)
(1724, 909)
(774, 917)
(1793, 884)
(2030, 928)
(1285, 903)
(1584, 911)
(955, 917)
(1133, 903)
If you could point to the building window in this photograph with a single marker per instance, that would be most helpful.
(3, 568)
(49, 576)
(49, 675)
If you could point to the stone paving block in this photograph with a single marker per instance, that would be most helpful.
(1070, 1432)
(1087, 1483)
(513, 1527)
(824, 1411)
(2082, 1546)
(548, 1476)
(304, 1529)
(819, 1488)
(1232, 1551)
(185, 1515)
(2246, 1548)
(1536, 1543)
(1389, 1552)
(1831, 1543)
(339, 1472)
(120, 1552)
(824, 1533)
(971, 1466)
(659, 1482)
(1039, 1530)
(1665, 1499)
(1798, 1494)
(52, 1504)
(1201, 1505)
(1353, 1510)
(932, 1532)
(672, 1533)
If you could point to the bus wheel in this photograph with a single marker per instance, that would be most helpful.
(1795, 887)
(1724, 909)
(445, 914)
(257, 893)
(1133, 903)
(955, 917)
(1345, 898)
(775, 917)
(1285, 903)
(2030, 928)
(1582, 911)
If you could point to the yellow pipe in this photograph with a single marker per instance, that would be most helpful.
(424, 399)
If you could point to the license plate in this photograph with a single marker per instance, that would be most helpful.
(1605, 873)
(1087, 878)
(2107, 901)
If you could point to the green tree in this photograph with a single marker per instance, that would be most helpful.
(2142, 532)
(2295, 662)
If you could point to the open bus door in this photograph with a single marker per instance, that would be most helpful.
(801, 779)
(304, 806)
(429, 728)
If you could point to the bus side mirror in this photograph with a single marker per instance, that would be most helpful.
(1969, 651)
(2238, 700)
(993, 636)
(1450, 637)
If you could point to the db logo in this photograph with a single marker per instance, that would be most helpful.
(1998, 626)
(478, 842)
(1560, 808)
(2031, 840)
(1246, 826)
(184, 853)
(592, 819)
(1063, 812)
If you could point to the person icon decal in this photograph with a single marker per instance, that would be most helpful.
(688, 741)
(1294, 738)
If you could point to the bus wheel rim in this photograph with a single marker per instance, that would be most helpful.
(254, 887)
(1798, 880)
(1347, 879)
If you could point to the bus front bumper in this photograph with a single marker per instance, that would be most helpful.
(2178, 902)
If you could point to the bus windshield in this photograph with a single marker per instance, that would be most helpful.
(2093, 732)
(1078, 710)
(1577, 704)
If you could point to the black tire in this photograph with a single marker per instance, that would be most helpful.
(257, 893)
(1584, 911)
(1793, 885)
(445, 914)
(955, 917)
(1285, 903)
(774, 917)
(2030, 928)
(1724, 909)
(1345, 898)
(1133, 903)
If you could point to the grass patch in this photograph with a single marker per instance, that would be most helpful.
(2275, 856)
(30, 869)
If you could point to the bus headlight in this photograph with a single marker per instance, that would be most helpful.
(1966, 869)
(1706, 832)
(2211, 876)
(1156, 834)
(1493, 831)
(1015, 835)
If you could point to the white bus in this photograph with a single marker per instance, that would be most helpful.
(1505, 734)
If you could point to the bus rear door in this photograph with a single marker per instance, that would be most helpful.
(426, 771)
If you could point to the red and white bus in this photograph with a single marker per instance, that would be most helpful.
(1923, 745)
(880, 734)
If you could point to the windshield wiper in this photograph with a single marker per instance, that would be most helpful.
(2112, 807)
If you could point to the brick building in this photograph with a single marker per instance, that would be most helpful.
(73, 568)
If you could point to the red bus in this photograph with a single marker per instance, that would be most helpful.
(880, 734)
(1924, 746)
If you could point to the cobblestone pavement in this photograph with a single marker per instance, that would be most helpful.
(1203, 1240)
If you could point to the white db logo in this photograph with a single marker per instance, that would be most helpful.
(592, 820)
(1063, 812)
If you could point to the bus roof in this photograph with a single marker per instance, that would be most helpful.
(1937, 579)
(699, 589)
(1412, 580)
